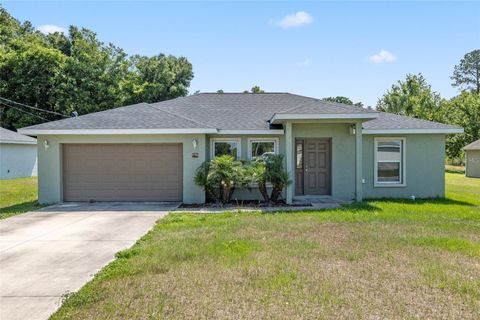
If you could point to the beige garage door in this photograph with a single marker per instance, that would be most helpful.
(122, 172)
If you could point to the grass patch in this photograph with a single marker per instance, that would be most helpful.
(450, 244)
(380, 259)
(18, 196)
(445, 277)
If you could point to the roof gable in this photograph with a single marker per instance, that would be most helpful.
(475, 145)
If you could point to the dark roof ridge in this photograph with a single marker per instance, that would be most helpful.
(179, 116)
(341, 105)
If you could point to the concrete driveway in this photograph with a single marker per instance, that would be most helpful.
(56, 250)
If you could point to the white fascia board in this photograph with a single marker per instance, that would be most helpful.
(273, 131)
(413, 131)
(322, 116)
(37, 132)
(17, 142)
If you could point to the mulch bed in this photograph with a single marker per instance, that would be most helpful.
(242, 204)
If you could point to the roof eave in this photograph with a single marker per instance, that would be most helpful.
(414, 131)
(40, 132)
(281, 117)
(251, 131)
(17, 142)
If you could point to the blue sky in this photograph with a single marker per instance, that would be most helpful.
(319, 49)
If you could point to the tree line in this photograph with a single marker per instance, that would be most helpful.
(75, 72)
(414, 97)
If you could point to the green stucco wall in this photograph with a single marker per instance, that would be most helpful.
(50, 188)
(472, 163)
(425, 167)
(424, 161)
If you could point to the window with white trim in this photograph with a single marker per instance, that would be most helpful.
(222, 147)
(389, 161)
(261, 147)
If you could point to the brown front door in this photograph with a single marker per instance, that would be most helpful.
(317, 180)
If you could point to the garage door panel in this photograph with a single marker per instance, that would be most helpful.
(122, 172)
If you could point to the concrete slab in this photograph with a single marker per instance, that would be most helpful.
(47, 253)
(32, 308)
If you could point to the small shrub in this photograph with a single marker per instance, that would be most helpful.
(201, 179)
(257, 174)
(276, 175)
(269, 169)
(219, 177)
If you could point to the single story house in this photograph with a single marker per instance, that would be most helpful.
(150, 151)
(472, 159)
(18, 155)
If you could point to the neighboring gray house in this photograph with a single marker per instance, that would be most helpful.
(149, 152)
(18, 155)
(472, 159)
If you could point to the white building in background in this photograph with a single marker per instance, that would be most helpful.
(18, 155)
(472, 159)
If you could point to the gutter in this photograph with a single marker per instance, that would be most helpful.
(38, 132)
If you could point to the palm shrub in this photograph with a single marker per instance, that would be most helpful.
(201, 179)
(257, 174)
(275, 174)
(219, 177)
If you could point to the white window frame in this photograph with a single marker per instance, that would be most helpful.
(250, 141)
(237, 140)
(403, 166)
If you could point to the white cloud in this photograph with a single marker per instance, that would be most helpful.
(382, 56)
(50, 28)
(299, 19)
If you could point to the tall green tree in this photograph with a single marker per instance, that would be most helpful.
(344, 100)
(412, 97)
(466, 75)
(34, 75)
(256, 89)
(159, 78)
(75, 71)
(464, 111)
(94, 72)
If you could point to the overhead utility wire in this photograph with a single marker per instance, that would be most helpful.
(32, 114)
(34, 108)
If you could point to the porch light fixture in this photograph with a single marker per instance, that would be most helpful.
(45, 144)
(194, 144)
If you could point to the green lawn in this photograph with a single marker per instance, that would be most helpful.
(381, 259)
(18, 196)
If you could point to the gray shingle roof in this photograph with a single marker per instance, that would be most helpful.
(225, 111)
(248, 111)
(137, 116)
(475, 145)
(394, 121)
(12, 137)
